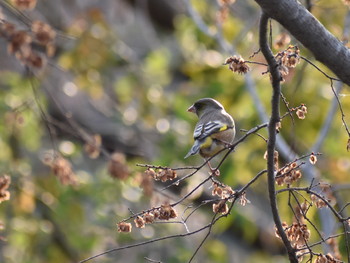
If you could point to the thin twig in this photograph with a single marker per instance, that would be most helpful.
(203, 240)
(321, 241)
(320, 70)
(347, 238)
(328, 120)
(166, 167)
(152, 260)
(289, 111)
(257, 63)
(308, 190)
(145, 243)
(305, 216)
(341, 109)
(43, 115)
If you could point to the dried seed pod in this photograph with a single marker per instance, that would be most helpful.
(149, 218)
(220, 207)
(43, 33)
(19, 42)
(317, 201)
(117, 166)
(7, 29)
(33, 60)
(24, 4)
(167, 212)
(300, 114)
(124, 227)
(237, 64)
(243, 200)
(147, 183)
(92, 147)
(62, 168)
(5, 181)
(139, 222)
(313, 159)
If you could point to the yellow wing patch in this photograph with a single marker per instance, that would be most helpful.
(223, 128)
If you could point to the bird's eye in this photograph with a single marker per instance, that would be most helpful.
(199, 106)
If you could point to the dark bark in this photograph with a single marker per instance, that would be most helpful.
(274, 119)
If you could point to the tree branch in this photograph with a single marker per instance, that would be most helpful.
(324, 46)
(274, 119)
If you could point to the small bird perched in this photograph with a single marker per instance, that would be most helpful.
(214, 130)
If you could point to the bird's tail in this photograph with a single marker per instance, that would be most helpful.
(194, 149)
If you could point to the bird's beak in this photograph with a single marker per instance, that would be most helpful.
(192, 109)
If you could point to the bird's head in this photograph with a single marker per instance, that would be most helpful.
(204, 105)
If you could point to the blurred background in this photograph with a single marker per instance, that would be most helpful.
(122, 74)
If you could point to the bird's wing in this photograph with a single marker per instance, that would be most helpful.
(206, 129)
(194, 149)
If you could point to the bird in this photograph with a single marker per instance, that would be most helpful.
(214, 130)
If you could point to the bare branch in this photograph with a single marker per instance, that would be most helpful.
(274, 119)
(308, 190)
(146, 243)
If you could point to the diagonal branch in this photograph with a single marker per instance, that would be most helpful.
(324, 46)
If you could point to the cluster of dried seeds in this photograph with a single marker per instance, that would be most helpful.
(220, 207)
(346, 2)
(298, 234)
(318, 201)
(24, 4)
(23, 42)
(93, 146)
(62, 168)
(237, 64)
(288, 174)
(226, 194)
(164, 212)
(224, 9)
(161, 174)
(117, 166)
(287, 59)
(326, 259)
(5, 181)
(222, 191)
